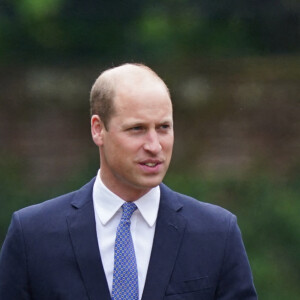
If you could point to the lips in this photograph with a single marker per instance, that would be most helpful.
(151, 166)
(151, 163)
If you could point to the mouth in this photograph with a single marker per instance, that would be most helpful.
(150, 164)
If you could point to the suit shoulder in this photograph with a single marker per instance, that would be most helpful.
(57, 202)
(213, 216)
(195, 210)
(196, 204)
(55, 205)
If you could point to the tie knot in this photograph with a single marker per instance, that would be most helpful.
(128, 209)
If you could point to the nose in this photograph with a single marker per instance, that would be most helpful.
(152, 143)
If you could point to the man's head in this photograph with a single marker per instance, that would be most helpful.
(104, 89)
(132, 124)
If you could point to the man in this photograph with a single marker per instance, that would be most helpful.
(125, 235)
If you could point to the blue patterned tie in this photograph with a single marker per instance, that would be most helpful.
(125, 277)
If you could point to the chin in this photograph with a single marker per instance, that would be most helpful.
(151, 183)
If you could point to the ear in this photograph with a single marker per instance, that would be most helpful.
(97, 130)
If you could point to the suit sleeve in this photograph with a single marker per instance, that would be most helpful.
(13, 267)
(235, 280)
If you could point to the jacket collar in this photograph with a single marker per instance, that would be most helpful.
(167, 240)
(82, 229)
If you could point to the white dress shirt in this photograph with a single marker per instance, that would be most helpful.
(108, 213)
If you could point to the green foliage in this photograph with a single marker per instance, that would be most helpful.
(116, 30)
(35, 9)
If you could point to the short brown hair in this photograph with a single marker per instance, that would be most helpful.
(101, 99)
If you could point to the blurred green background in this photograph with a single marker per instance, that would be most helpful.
(233, 71)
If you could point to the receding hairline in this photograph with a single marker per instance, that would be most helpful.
(116, 80)
(128, 74)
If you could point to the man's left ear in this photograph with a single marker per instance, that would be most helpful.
(97, 128)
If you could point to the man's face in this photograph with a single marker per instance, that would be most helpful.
(137, 147)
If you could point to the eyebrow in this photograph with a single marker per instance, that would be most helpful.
(143, 123)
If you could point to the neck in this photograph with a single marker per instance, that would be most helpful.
(124, 191)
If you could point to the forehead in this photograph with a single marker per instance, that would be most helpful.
(143, 103)
(141, 92)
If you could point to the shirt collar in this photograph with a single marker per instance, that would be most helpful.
(107, 203)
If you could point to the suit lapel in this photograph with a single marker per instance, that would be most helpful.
(82, 228)
(168, 235)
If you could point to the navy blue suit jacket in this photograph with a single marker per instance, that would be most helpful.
(51, 252)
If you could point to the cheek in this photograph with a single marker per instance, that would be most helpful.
(167, 144)
(131, 145)
(125, 148)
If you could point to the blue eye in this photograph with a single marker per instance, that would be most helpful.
(136, 128)
(164, 126)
